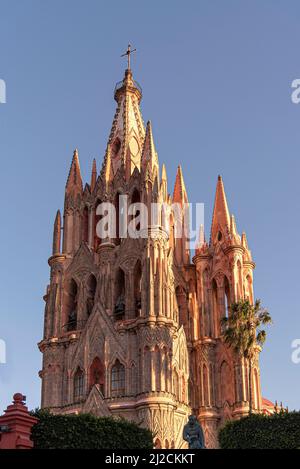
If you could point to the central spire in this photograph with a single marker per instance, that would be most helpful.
(126, 139)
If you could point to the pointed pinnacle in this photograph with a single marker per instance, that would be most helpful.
(58, 218)
(221, 217)
(108, 166)
(179, 194)
(149, 152)
(163, 173)
(94, 175)
(74, 178)
(57, 233)
(233, 229)
(201, 239)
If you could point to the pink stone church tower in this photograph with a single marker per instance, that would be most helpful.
(132, 325)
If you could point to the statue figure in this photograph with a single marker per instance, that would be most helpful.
(193, 434)
(72, 320)
(120, 307)
(89, 305)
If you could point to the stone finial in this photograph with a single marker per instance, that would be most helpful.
(57, 234)
(94, 175)
(149, 152)
(179, 194)
(18, 422)
(163, 173)
(221, 216)
(18, 398)
(74, 181)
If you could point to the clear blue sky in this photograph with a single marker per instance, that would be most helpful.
(216, 78)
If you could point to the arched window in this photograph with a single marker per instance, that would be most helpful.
(240, 279)
(147, 369)
(227, 296)
(157, 444)
(85, 225)
(215, 302)
(182, 306)
(91, 290)
(78, 384)
(166, 444)
(164, 370)
(71, 306)
(207, 319)
(119, 217)
(135, 226)
(157, 368)
(211, 384)
(97, 239)
(119, 310)
(249, 288)
(175, 384)
(205, 386)
(133, 379)
(96, 374)
(138, 288)
(118, 379)
(226, 383)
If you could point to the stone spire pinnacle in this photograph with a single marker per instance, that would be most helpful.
(149, 152)
(74, 182)
(57, 234)
(94, 175)
(221, 216)
(245, 241)
(127, 134)
(163, 172)
(233, 230)
(180, 194)
(201, 239)
(164, 183)
(108, 172)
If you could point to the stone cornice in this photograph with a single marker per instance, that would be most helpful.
(234, 248)
(250, 264)
(201, 258)
(56, 258)
(57, 341)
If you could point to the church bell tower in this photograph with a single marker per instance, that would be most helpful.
(132, 324)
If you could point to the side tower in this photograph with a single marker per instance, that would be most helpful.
(224, 270)
(115, 334)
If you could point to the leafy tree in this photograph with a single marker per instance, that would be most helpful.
(242, 332)
(278, 431)
(86, 431)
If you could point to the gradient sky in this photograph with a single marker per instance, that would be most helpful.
(216, 80)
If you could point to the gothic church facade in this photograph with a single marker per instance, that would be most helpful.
(132, 325)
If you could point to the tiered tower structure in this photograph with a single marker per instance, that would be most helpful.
(132, 326)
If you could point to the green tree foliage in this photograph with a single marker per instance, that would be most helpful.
(86, 431)
(242, 332)
(277, 431)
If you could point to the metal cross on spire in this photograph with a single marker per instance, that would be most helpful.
(128, 53)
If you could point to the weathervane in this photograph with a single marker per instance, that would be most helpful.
(128, 53)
